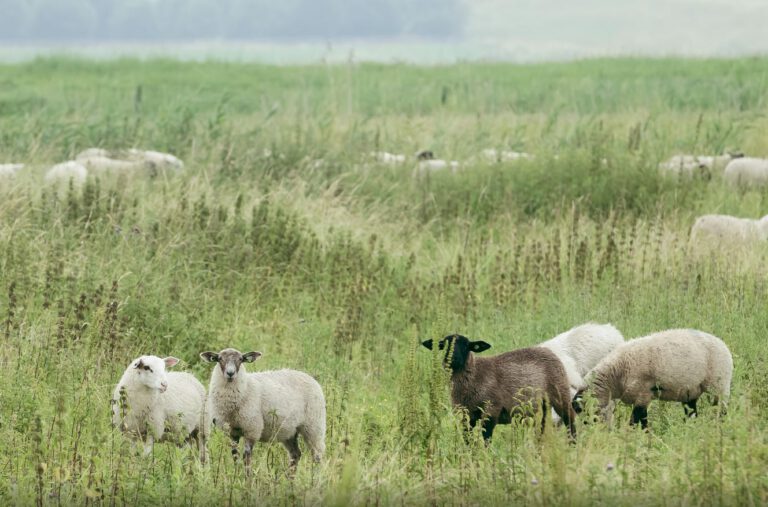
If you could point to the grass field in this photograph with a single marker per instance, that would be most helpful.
(340, 268)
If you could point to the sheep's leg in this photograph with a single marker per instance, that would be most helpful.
(247, 456)
(488, 426)
(294, 453)
(235, 447)
(640, 414)
(544, 409)
(315, 439)
(148, 443)
(689, 407)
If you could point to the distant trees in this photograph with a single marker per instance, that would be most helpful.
(88, 20)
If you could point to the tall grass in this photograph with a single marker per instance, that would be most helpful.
(340, 268)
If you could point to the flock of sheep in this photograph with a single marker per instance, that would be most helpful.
(150, 404)
(99, 161)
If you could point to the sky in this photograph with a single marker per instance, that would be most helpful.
(424, 31)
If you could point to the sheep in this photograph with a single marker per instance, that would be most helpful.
(499, 156)
(673, 365)
(697, 165)
(92, 153)
(724, 232)
(427, 163)
(156, 400)
(99, 158)
(265, 406)
(155, 159)
(747, 171)
(580, 349)
(99, 163)
(492, 389)
(386, 158)
(10, 170)
(67, 171)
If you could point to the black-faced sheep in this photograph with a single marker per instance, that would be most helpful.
(493, 389)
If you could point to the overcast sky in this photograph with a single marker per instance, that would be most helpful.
(290, 31)
(698, 27)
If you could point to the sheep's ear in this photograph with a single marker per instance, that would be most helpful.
(170, 361)
(251, 356)
(427, 343)
(139, 364)
(211, 357)
(479, 346)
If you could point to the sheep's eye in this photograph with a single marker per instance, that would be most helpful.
(147, 368)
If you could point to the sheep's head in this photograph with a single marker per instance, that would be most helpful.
(457, 349)
(425, 155)
(230, 361)
(150, 370)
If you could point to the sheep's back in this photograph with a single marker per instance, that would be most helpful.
(290, 396)
(524, 374)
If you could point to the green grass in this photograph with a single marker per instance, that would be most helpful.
(340, 269)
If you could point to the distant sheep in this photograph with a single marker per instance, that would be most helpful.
(581, 348)
(158, 403)
(674, 365)
(747, 171)
(386, 158)
(500, 156)
(102, 159)
(492, 389)
(724, 232)
(67, 171)
(427, 163)
(697, 165)
(265, 406)
(10, 170)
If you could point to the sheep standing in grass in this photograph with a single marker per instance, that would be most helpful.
(265, 406)
(500, 156)
(724, 232)
(67, 171)
(581, 348)
(386, 158)
(494, 389)
(697, 165)
(150, 404)
(747, 171)
(674, 365)
(10, 170)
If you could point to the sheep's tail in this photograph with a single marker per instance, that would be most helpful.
(313, 429)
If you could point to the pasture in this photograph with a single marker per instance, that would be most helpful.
(281, 236)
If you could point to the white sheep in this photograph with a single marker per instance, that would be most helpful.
(499, 156)
(10, 170)
(747, 171)
(674, 365)
(67, 171)
(99, 163)
(266, 406)
(155, 159)
(386, 158)
(93, 152)
(581, 348)
(697, 165)
(151, 405)
(724, 232)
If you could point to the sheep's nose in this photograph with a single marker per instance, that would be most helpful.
(230, 373)
(163, 386)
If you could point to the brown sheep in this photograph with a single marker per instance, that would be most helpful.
(492, 389)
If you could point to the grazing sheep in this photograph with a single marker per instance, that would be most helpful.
(92, 153)
(101, 159)
(697, 165)
(155, 159)
(581, 348)
(10, 170)
(388, 158)
(265, 406)
(428, 163)
(724, 232)
(158, 403)
(67, 171)
(747, 171)
(492, 389)
(500, 156)
(674, 365)
(98, 163)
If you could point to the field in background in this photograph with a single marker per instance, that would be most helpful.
(280, 236)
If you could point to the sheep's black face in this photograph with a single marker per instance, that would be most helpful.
(230, 361)
(457, 349)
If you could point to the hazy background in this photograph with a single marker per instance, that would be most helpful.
(417, 30)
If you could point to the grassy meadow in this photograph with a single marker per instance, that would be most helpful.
(281, 236)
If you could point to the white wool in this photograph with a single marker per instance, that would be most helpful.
(689, 165)
(494, 155)
(155, 159)
(158, 402)
(93, 152)
(717, 232)
(673, 365)
(581, 348)
(268, 406)
(10, 170)
(434, 165)
(99, 163)
(388, 158)
(67, 171)
(747, 171)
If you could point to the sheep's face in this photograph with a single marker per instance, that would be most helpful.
(457, 349)
(230, 361)
(150, 370)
